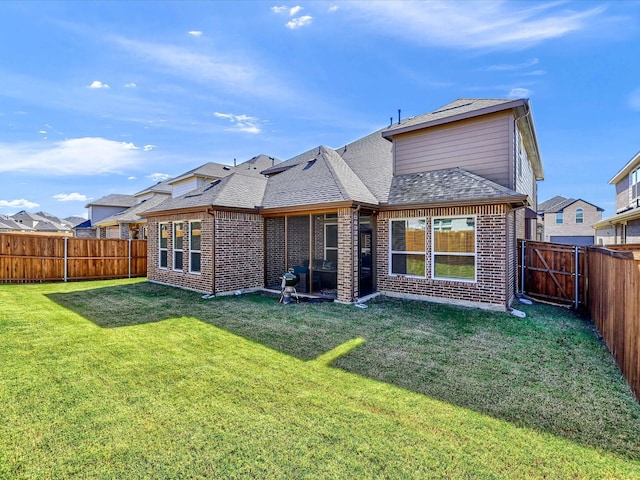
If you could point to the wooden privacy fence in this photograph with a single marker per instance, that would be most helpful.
(614, 303)
(33, 259)
(553, 272)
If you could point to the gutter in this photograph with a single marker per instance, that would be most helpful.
(212, 212)
(514, 201)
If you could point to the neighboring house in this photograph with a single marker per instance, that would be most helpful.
(429, 208)
(568, 220)
(624, 226)
(8, 224)
(127, 224)
(99, 210)
(130, 224)
(42, 222)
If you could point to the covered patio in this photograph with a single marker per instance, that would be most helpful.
(330, 251)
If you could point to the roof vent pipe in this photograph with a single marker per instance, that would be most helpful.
(390, 121)
(234, 162)
(398, 116)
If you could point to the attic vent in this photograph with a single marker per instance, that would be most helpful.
(309, 164)
(226, 168)
(451, 108)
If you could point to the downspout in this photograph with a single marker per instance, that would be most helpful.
(212, 212)
(355, 272)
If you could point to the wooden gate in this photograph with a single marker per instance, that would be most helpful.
(553, 272)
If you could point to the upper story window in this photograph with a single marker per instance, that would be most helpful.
(579, 216)
(634, 184)
(559, 217)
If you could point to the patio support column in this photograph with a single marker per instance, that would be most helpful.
(347, 263)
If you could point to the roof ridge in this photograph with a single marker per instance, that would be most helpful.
(334, 156)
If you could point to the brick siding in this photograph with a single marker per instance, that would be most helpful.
(239, 251)
(489, 290)
(202, 282)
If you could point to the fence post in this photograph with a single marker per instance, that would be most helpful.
(66, 257)
(522, 268)
(129, 258)
(577, 280)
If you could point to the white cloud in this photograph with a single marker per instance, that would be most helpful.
(333, 8)
(512, 66)
(223, 68)
(507, 25)
(97, 84)
(76, 156)
(536, 73)
(241, 123)
(299, 22)
(21, 203)
(520, 93)
(148, 148)
(71, 197)
(158, 177)
(43, 132)
(130, 85)
(634, 99)
(131, 178)
(280, 9)
(195, 33)
(294, 10)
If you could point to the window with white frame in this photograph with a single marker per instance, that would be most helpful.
(454, 248)
(178, 245)
(331, 242)
(559, 217)
(163, 243)
(579, 215)
(407, 241)
(195, 233)
(634, 184)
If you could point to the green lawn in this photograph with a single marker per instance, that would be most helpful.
(124, 379)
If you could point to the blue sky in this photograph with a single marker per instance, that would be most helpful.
(109, 97)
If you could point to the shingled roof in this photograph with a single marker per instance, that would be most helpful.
(457, 110)
(241, 189)
(113, 200)
(132, 214)
(454, 185)
(207, 170)
(559, 203)
(324, 178)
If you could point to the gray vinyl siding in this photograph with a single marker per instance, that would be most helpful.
(99, 212)
(480, 145)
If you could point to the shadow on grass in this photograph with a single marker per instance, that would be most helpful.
(547, 372)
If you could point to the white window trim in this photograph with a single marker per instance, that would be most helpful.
(335, 249)
(194, 251)
(175, 250)
(581, 211)
(561, 217)
(160, 249)
(456, 254)
(405, 252)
